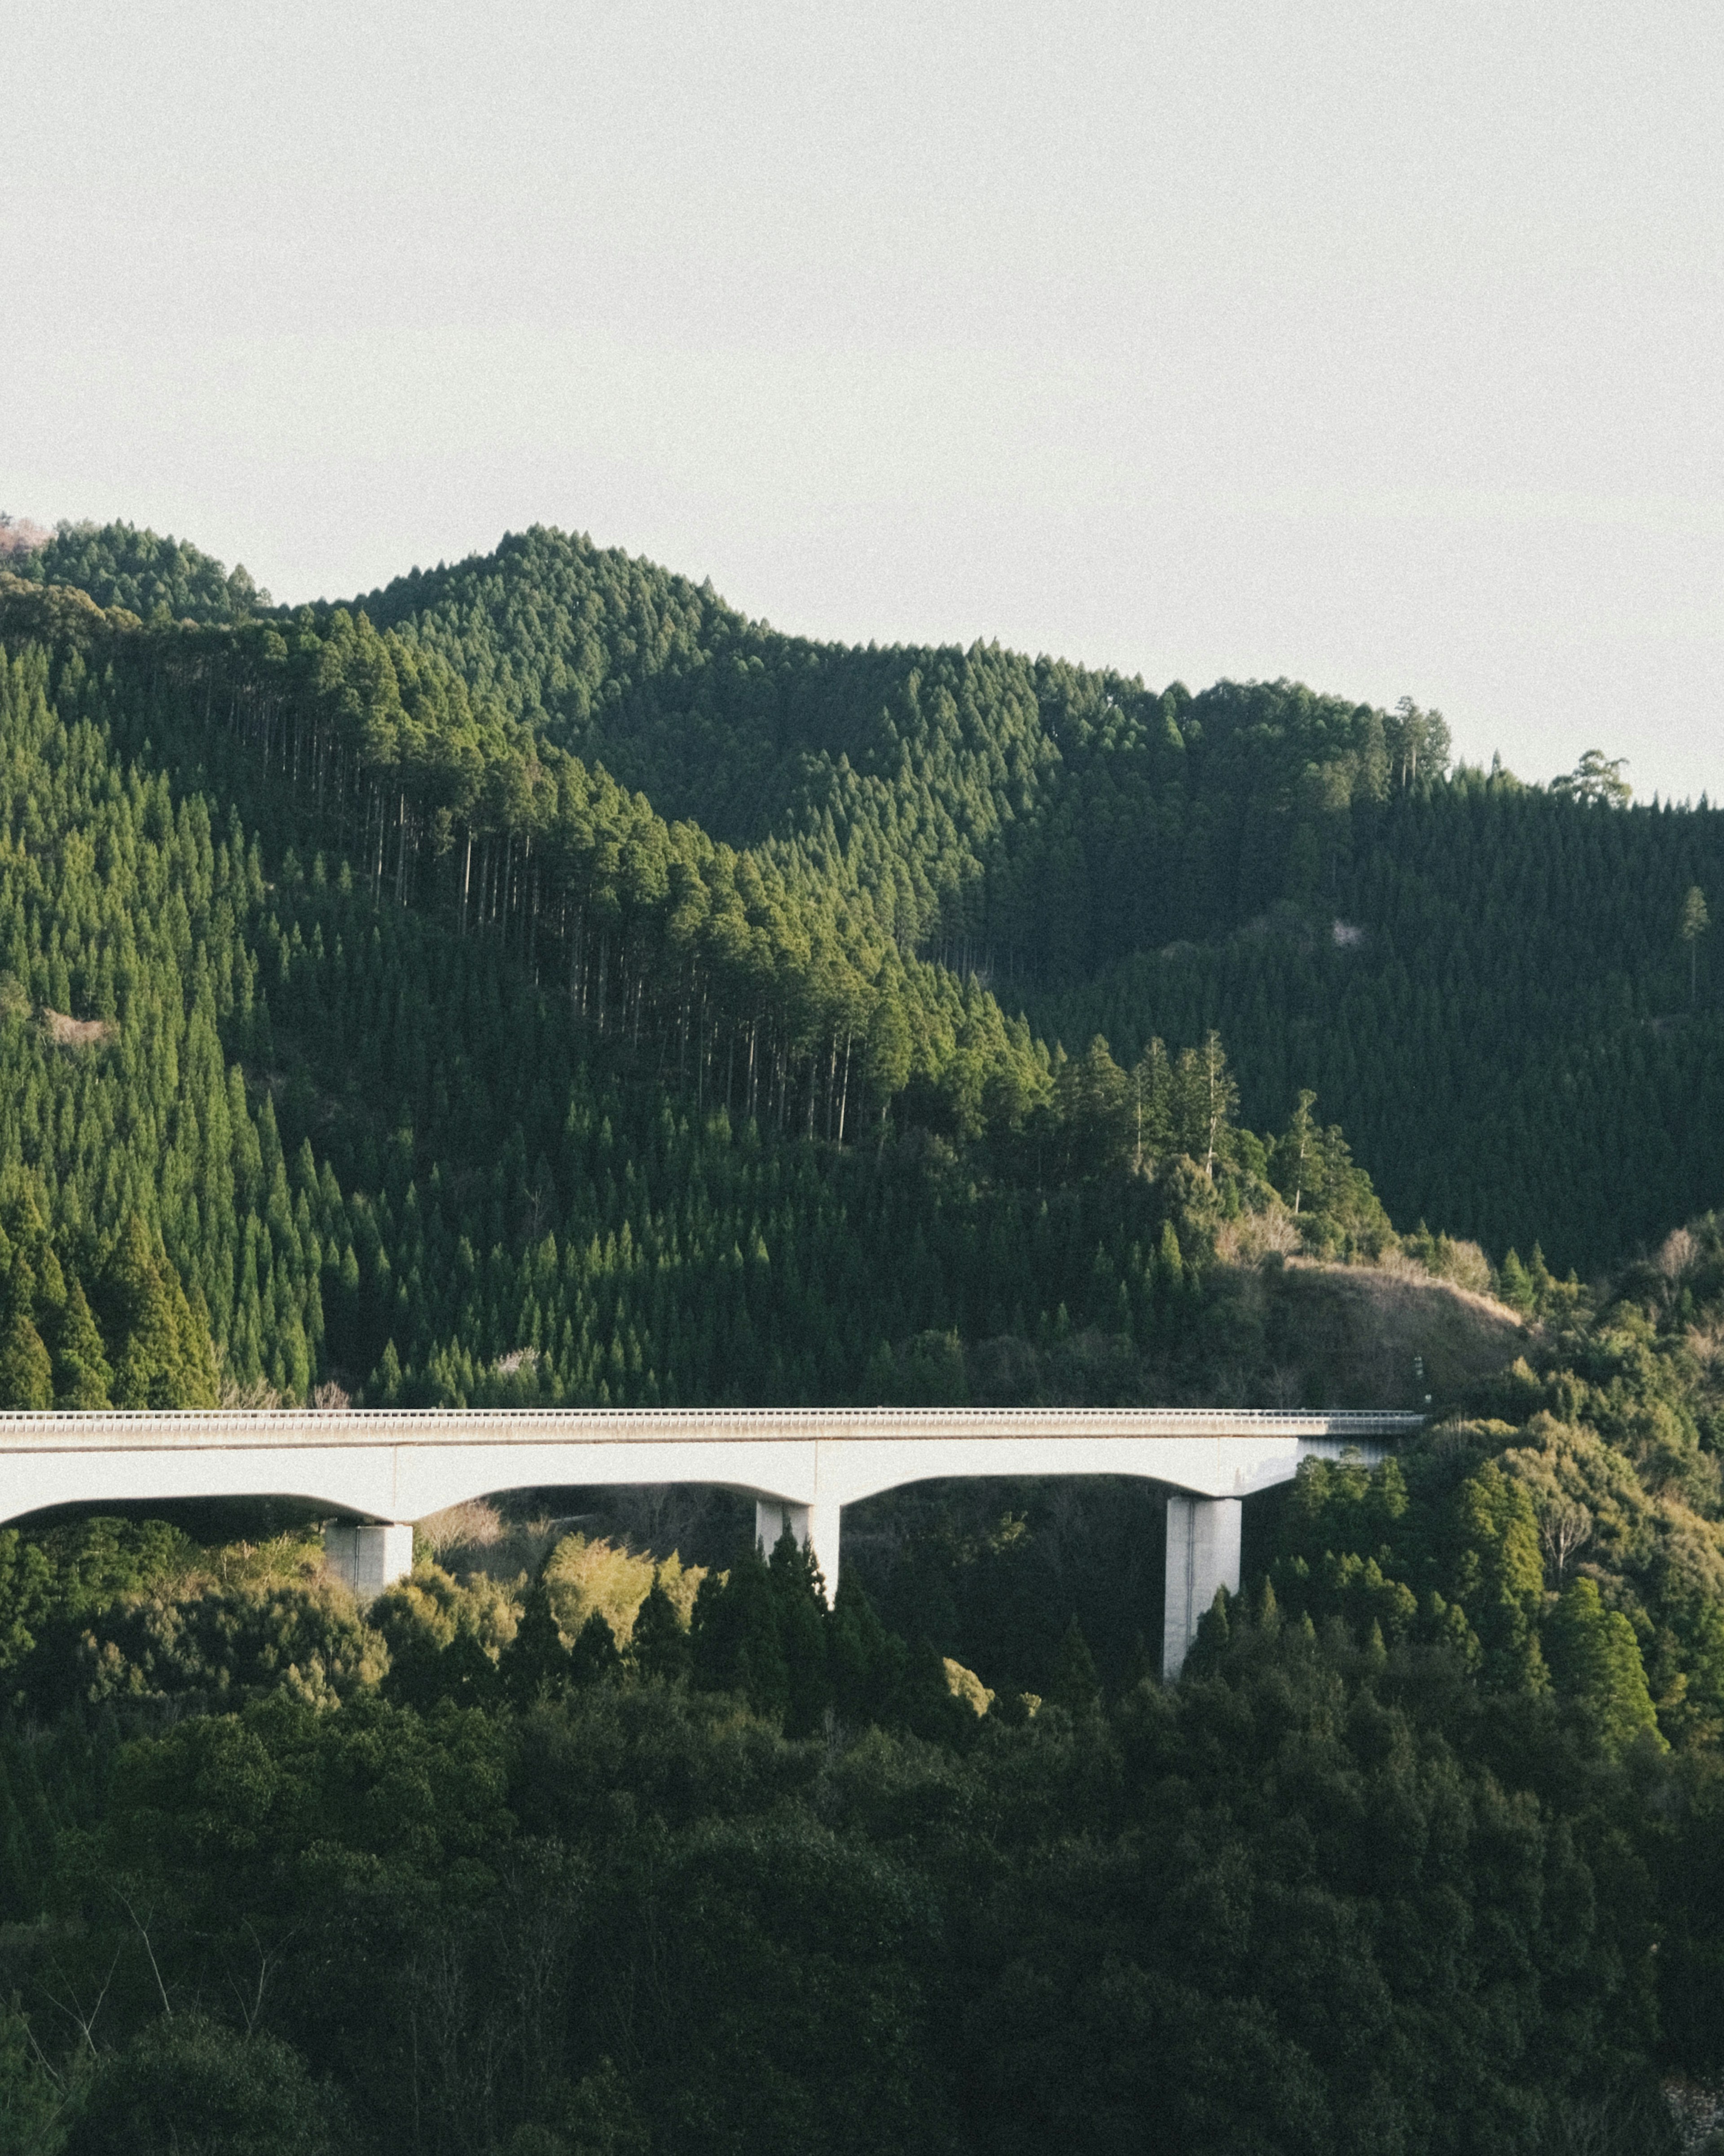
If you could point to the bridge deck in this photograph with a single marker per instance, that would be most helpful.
(144, 1429)
(394, 1466)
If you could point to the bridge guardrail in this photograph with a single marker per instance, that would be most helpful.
(142, 1427)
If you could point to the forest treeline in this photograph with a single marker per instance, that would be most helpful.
(375, 1150)
(1419, 1856)
(1437, 954)
(140, 571)
(537, 983)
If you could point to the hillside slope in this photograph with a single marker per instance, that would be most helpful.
(1483, 982)
(1138, 863)
(376, 1128)
(356, 1033)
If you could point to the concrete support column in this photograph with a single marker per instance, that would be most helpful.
(1202, 1554)
(369, 1556)
(817, 1523)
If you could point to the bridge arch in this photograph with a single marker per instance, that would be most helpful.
(379, 1469)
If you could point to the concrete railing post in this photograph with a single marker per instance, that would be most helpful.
(1202, 1554)
(369, 1556)
(817, 1524)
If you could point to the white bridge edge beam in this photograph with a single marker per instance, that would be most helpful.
(390, 1466)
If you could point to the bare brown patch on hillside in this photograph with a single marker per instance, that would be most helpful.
(1361, 1334)
(1293, 1334)
(78, 1032)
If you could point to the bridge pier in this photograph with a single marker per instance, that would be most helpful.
(379, 1467)
(1202, 1554)
(817, 1523)
(369, 1556)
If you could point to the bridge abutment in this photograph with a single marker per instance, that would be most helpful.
(369, 1558)
(1202, 1554)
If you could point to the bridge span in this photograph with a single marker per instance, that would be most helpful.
(378, 1470)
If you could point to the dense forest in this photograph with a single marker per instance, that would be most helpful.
(534, 982)
(1437, 954)
(1421, 1853)
(1440, 954)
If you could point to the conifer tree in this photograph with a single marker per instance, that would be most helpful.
(148, 1368)
(1075, 1685)
(1499, 1574)
(1594, 1655)
(799, 1611)
(81, 1372)
(659, 1644)
(1297, 1151)
(737, 1641)
(595, 1657)
(864, 1661)
(1215, 1629)
(1514, 1285)
(26, 1372)
(534, 1664)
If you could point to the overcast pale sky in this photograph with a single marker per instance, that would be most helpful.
(1377, 346)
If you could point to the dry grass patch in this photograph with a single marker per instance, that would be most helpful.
(1367, 1330)
(78, 1032)
(474, 1525)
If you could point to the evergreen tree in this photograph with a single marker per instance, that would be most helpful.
(465, 1674)
(534, 1664)
(148, 1370)
(26, 1372)
(800, 1612)
(1075, 1685)
(1297, 1154)
(1214, 1631)
(1594, 1656)
(1514, 1286)
(81, 1373)
(1498, 1570)
(866, 1661)
(595, 1657)
(735, 1637)
(659, 1644)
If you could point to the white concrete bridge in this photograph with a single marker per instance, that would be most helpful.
(378, 1470)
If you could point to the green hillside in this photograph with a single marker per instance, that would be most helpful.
(1119, 860)
(607, 1124)
(537, 983)
(1103, 856)
(119, 566)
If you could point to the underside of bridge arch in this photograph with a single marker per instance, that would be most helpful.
(372, 1474)
(1204, 1540)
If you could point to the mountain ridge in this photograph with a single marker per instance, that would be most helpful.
(1094, 854)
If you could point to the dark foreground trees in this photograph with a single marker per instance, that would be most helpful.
(1320, 1898)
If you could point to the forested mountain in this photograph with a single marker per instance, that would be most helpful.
(1439, 956)
(537, 983)
(1485, 982)
(1027, 817)
(119, 566)
(390, 1144)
